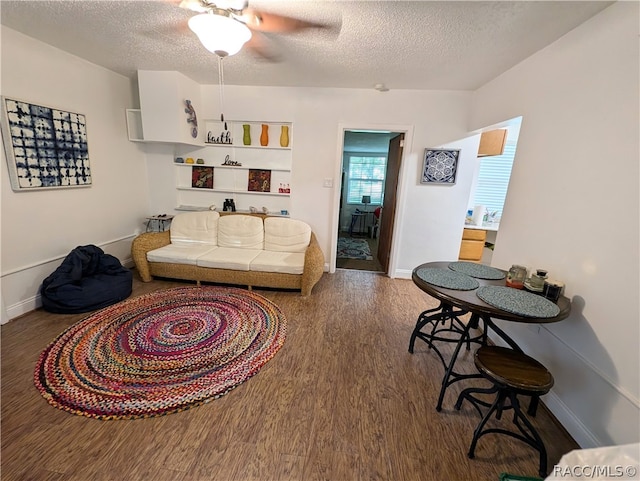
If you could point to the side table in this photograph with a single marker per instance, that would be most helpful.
(161, 222)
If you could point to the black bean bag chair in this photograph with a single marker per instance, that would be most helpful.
(88, 279)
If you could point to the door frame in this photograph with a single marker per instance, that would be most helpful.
(407, 130)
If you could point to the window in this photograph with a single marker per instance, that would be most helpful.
(493, 179)
(365, 176)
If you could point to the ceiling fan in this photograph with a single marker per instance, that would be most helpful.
(225, 26)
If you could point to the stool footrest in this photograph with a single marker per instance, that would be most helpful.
(527, 433)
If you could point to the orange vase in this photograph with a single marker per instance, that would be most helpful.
(264, 136)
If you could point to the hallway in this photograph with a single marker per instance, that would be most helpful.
(361, 264)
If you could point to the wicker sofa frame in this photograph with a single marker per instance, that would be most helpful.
(143, 243)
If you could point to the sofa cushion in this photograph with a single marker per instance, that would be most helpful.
(234, 258)
(286, 235)
(179, 253)
(195, 228)
(281, 262)
(241, 231)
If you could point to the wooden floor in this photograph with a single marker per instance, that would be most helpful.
(342, 400)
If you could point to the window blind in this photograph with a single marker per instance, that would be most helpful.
(493, 179)
(366, 177)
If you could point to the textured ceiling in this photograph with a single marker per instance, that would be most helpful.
(453, 45)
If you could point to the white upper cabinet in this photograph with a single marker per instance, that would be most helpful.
(163, 106)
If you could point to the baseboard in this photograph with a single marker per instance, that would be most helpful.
(22, 307)
(570, 422)
(403, 273)
(27, 279)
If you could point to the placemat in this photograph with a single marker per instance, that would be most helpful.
(479, 271)
(518, 301)
(447, 279)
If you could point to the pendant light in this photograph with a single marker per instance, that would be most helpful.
(219, 32)
(222, 35)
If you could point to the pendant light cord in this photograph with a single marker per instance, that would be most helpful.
(221, 85)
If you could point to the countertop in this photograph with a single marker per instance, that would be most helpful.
(488, 226)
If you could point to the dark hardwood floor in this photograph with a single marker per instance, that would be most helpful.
(342, 400)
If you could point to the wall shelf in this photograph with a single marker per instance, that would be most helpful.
(230, 167)
(234, 191)
(240, 146)
(236, 128)
(134, 125)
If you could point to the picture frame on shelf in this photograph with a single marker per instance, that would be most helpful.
(259, 180)
(202, 177)
(440, 166)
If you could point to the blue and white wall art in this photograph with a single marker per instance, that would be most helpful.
(440, 166)
(45, 147)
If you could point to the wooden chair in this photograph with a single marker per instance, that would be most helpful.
(376, 222)
(512, 373)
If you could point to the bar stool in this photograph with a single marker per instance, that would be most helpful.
(512, 373)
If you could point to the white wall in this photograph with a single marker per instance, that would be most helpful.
(573, 209)
(40, 228)
(435, 118)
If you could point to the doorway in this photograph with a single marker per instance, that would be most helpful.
(369, 182)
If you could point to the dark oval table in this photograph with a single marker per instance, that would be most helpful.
(445, 323)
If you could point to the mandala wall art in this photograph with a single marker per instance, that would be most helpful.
(45, 147)
(440, 166)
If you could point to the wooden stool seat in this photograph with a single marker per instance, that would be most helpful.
(511, 373)
(513, 369)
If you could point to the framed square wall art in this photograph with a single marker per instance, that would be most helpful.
(259, 180)
(46, 148)
(202, 177)
(440, 166)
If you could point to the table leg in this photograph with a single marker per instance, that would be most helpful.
(491, 325)
(450, 375)
(438, 318)
(351, 226)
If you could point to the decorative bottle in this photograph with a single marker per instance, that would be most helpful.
(264, 136)
(246, 138)
(284, 136)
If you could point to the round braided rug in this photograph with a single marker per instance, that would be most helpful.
(160, 353)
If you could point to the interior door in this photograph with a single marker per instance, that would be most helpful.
(388, 215)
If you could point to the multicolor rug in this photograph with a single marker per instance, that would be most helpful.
(349, 248)
(160, 353)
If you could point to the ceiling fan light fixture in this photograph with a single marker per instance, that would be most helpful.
(220, 34)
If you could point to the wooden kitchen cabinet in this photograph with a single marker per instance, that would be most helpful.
(492, 142)
(472, 245)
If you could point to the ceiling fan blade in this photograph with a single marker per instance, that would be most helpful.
(273, 23)
(260, 46)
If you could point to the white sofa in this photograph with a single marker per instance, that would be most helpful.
(252, 250)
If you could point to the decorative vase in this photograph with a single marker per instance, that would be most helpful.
(284, 136)
(246, 138)
(264, 136)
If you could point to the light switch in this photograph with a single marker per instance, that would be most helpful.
(328, 182)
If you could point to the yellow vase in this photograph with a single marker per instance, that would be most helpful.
(284, 136)
(264, 136)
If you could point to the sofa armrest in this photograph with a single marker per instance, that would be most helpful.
(313, 266)
(144, 243)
